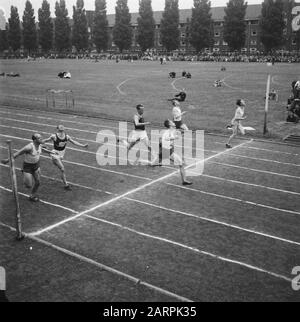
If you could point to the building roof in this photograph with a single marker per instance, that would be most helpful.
(218, 13)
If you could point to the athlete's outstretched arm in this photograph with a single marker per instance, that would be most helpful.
(24, 150)
(77, 143)
(49, 139)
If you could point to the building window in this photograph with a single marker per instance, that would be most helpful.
(217, 43)
(183, 43)
(216, 49)
(252, 49)
(183, 35)
(244, 50)
(217, 34)
(225, 43)
(253, 33)
(294, 42)
(253, 42)
(254, 22)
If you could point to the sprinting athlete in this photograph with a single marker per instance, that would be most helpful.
(167, 149)
(60, 140)
(31, 166)
(139, 134)
(236, 124)
(177, 117)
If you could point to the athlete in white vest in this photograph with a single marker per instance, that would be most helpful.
(31, 166)
(236, 124)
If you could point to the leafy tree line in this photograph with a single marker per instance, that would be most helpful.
(57, 33)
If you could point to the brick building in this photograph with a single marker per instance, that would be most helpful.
(252, 43)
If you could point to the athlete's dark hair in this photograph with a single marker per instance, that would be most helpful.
(139, 106)
(34, 136)
(167, 124)
(239, 102)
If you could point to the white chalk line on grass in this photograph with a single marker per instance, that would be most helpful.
(236, 199)
(171, 168)
(214, 221)
(173, 83)
(57, 180)
(197, 149)
(92, 167)
(204, 175)
(128, 193)
(103, 267)
(180, 212)
(43, 201)
(251, 184)
(193, 249)
(262, 149)
(115, 127)
(255, 170)
(235, 88)
(118, 87)
(62, 121)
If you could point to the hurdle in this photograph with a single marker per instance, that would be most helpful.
(51, 95)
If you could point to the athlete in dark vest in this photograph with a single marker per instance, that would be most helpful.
(60, 140)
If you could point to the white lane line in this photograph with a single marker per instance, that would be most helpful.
(42, 124)
(42, 201)
(210, 151)
(95, 168)
(262, 149)
(193, 249)
(61, 120)
(214, 221)
(176, 211)
(235, 199)
(118, 87)
(167, 167)
(71, 183)
(103, 267)
(251, 184)
(128, 193)
(264, 160)
(115, 127)
(254, 170)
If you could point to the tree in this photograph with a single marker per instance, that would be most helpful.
(29, 28)
(146, 25)
(122, 32)
(272, 24)
(200, 27)
(62, 27)
(3, 39)
(169, 25)
(235, 25)
(100, 26)
(80, 33)
(45, 27)
(14, 29)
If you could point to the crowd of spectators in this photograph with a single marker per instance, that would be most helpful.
(214, 57)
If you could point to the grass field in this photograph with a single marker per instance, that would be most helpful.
(133, 233)
(113, 90)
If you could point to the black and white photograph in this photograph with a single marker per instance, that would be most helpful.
(149, 154)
